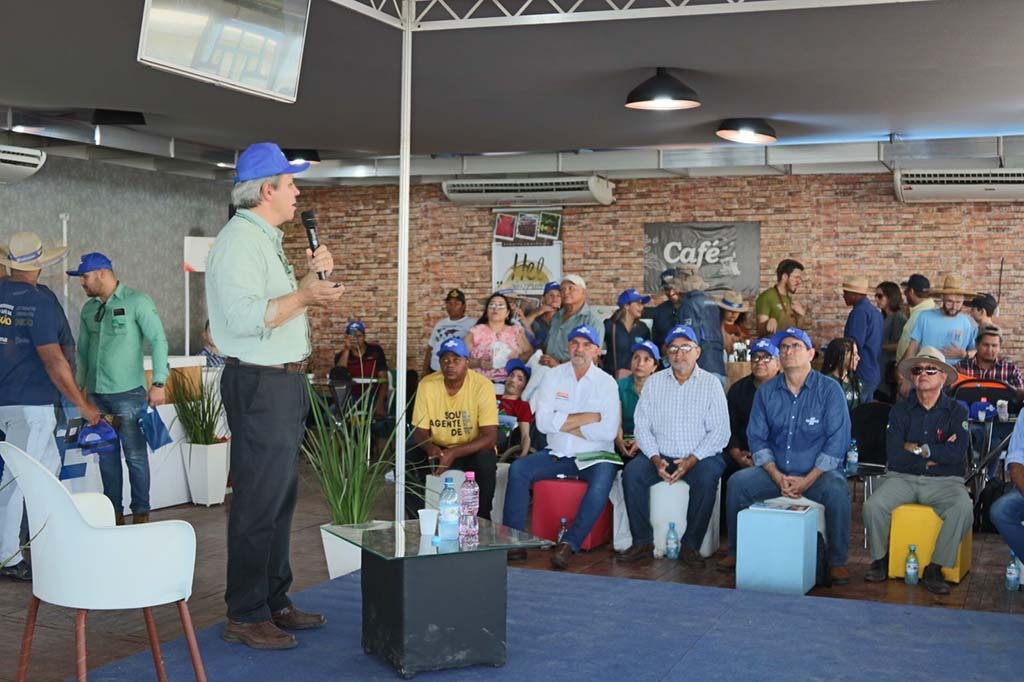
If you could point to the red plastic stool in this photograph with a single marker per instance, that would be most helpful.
(555, 499)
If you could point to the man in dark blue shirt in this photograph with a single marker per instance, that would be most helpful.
(799, 431)
(702, 315)
(864, 325)
(665, 315)
(926, 447)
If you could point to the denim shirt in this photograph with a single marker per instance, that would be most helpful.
(799, 433)
(704, 316)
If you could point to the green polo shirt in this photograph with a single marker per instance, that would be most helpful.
(247, 269)
(110, 350)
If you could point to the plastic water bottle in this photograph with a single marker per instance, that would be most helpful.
(910, 577)
(1012, 574)
(448, 512)
(469, 505)
(672, 542)
(852, 457)
(563, 529)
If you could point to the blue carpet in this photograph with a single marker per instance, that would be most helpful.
(578, 627)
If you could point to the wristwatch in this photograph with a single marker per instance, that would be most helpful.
(918, 451)
(157, 384)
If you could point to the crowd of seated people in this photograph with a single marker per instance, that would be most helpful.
(647, 399)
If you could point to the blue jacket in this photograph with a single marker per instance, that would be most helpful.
(704, 316)
(864, 325)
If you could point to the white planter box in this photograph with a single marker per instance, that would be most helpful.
(342, 557)
(207, 470)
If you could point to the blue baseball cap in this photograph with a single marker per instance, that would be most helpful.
(667, 276)
(646, 346)
(355, 327)
(516, 363)
(585, 332)
(765, 346)
(100, 439)
(264, 160)
(681, 331)
(457, 346)
(631, 296)
(91, 261)
(792, 332)
(552, 286)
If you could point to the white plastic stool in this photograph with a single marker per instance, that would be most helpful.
(820, 508)
(435, 484)
(500, 483)
(622, 538)
(669, 503)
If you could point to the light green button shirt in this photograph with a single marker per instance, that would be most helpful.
(246, 269)
(110, 350)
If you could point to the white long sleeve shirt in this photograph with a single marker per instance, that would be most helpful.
(560, 395)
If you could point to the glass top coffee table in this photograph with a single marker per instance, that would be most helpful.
(431, 607)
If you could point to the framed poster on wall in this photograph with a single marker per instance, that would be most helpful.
(526, 269)
(728, 254)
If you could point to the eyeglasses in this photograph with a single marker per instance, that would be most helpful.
(680, 349)
(761, 359)
(101, 312)
(791, 348)
(496, 306)
(930, 371)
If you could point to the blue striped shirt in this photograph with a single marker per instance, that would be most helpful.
(677, 420)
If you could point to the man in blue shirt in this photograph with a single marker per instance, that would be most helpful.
(945, 328)
(33, 372)
(799, 431)
(703, 316)
(665, 315)
(864, 325)
(1008, 511)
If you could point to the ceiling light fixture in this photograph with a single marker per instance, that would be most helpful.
(747, 130)
(662, 92)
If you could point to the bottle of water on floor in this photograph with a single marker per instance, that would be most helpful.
(563, 529)
(448, 512)
(852, 457)
(672, 542)
(469, 505)
(1012, 574)
(910, 577)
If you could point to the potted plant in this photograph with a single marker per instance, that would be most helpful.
(205, 452)
(351, 480)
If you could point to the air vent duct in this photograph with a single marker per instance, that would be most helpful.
(1000, 184)
(568, 191)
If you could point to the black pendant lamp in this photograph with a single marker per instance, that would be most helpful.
(662, 92)
(747, 130)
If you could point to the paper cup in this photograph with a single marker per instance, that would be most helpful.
(428, 522)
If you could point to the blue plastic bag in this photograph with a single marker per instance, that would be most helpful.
(99, 440)
(153, 429)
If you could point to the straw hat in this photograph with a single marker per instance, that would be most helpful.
(857, 285)
(25, 251)
(953, 285)
(732, 301)
(687, 279)
(930, 355)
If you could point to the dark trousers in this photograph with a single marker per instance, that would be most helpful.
(483, 464)
(638, 477)
(266, 411)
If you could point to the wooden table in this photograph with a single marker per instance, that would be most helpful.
(734, 371)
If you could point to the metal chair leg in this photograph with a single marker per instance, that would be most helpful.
(190, 638)
(80, 660)
(154, 645)
(26, 639)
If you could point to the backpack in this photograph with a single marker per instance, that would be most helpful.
(993, 490)
(823, 576)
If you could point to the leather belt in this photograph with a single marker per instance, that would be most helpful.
(289, 367)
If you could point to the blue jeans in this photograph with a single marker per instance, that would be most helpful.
(543, 465)
(831, 490)
(1007, 515)
(638, 477)
(129, 406)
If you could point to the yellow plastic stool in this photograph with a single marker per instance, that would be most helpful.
(919, 525)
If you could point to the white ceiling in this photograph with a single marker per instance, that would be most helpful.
(949, 68)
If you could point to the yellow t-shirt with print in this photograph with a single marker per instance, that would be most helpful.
(454, 419)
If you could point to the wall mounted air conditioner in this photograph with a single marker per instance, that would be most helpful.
(568, 191)
(999, 184)
(18, 163)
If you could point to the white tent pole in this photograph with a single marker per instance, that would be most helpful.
(408, 20)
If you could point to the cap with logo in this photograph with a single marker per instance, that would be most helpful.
(516, 363)
(264, 160)
(355, 327)
(457, 346)
(680, 331)
(647, 346)
(90, 262)
(765, 346)
(552, 286)
(455, 295)
(791, 333)
(585, 332)
(632, 296)
(100, 439)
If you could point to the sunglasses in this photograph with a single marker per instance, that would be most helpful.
(930, 371)
(101, 312)
(680, 349)
(761, 359)
(496, 306)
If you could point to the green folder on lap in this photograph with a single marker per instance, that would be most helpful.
(586, 459)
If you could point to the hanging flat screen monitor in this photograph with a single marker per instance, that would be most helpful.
(254, 46)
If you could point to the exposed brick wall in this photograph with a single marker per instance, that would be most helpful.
(835, 224)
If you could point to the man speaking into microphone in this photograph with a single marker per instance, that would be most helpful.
(258, 320)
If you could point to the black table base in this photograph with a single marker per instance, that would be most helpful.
(435, 612)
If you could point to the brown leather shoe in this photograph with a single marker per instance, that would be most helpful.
(560, 557)
(840, 575)
(517, 555)
(727, 564)
(118, 519)
(691, 557)
(262, 635)
(636, 553)
(140, 518)
(290, 618)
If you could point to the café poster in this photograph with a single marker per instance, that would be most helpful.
(728, 254)
(526, 269)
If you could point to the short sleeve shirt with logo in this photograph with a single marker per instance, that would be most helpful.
(454, 419)
(29, 318)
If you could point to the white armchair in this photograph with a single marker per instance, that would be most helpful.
(81, 560)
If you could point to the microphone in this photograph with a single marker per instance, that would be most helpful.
(309, 222)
